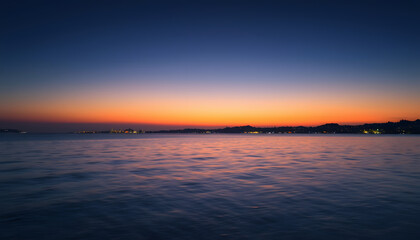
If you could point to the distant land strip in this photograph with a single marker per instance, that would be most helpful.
(401, 127)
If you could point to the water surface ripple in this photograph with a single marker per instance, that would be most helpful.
(209, 187)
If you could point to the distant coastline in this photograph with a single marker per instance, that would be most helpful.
(8, 130)
(401, 127)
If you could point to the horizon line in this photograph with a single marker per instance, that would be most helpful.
(173, 126)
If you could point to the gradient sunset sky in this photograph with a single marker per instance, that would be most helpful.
(172, 64)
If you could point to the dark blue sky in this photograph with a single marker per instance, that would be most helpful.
(48, 46)
(373, 37)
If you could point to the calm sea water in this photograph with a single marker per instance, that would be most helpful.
(209, 187)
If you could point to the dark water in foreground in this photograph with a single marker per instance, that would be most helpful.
(209, 187)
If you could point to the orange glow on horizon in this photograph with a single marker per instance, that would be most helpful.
(210, 112)
(213, 107)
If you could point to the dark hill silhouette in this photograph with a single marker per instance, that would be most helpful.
(401, 127)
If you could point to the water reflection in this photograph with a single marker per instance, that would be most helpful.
(209, 187)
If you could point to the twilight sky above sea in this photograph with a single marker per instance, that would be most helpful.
(66, 65)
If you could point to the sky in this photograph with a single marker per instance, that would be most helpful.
(70, 65)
